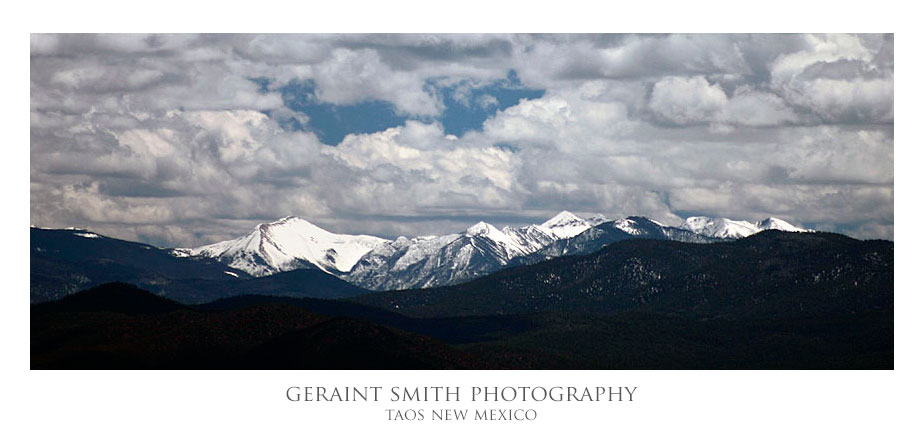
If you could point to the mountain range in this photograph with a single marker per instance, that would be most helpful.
(429, 261)
(773, 300)
(568, 293)
(723, 228)
(64, 261)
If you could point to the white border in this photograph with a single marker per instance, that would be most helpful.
(213, 403)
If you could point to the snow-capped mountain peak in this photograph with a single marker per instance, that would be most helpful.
(289, 243)
(511, 242)
(563, 219)
(627, 225)
(482, 229)
(772, 223)
(720, 228)
(565, 224)
(724, 228)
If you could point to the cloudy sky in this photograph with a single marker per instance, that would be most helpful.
(181, 140)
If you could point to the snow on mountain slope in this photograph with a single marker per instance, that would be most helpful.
(287, 244)
(454, 258)
(429, 261)
(515, 242)
(723, 228)
(487, 230)
(529, 238)
(627, 225)
(400, 264)
(425, 262)
(772, 223)
(565, 225)
(607, 233)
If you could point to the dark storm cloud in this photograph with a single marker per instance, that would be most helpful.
(186, 139)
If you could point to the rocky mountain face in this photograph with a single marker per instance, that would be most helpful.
(456, 258)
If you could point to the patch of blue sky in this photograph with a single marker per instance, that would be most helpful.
(465, 107)
(331, 123)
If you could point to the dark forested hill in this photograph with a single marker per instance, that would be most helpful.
(769, 274)
(65, 261)
(118, 326)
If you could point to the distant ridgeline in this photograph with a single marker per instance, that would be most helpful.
(64, 261)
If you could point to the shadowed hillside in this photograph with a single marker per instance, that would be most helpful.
(117, 326)
(771, 274)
